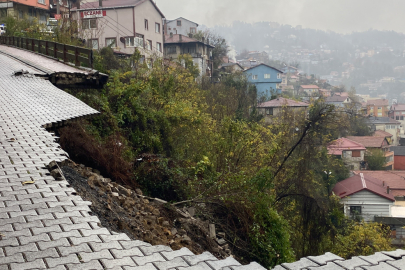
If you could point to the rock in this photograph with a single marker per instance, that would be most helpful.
(186, 239)
(145, 201)
(160, 220)
(96, 171)
(221, 234)
(191, 211)
(182, 231)
(124, 191)
(138, 191)
(156, 212)
(221, 241)
(115, 194)
(174, 231)
(166, 223)
(107, 180)
(56, 173)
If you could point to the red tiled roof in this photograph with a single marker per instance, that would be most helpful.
(311, 86)
(378, 102)
(398, 107)
(395, 180)
(117, 3)
(368, 141)
(342, 94)
(361, 182)
(337, 146)
(382, 133)
(336, 99)
(279, 102)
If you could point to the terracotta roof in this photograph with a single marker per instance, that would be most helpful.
(336, 99)
(266, 66)
(311, 86)
(382, 133)
(174, 39)
(393, 179)
(378, 102)
(337, 146)
(398, 107)
(368, 141)
(279, 102)
(117, 3)
(342, 94)
(361, 182)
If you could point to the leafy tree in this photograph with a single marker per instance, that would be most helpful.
(375, 159)
(362, 239)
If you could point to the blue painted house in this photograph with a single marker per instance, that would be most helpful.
(266, 78)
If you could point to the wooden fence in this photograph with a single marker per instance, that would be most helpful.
(67, 53)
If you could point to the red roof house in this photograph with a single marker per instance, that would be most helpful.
(351, 152)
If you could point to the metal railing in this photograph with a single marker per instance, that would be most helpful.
(67, 53)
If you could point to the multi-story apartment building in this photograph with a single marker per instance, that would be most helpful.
(200, 51)
(378, 107)
(32, 9)
(124, 25)
(180, 26)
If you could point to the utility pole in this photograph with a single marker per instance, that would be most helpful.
(57, 7)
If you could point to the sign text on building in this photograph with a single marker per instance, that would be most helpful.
(93, 14)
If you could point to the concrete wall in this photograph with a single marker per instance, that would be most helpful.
(371, 204)
(349, 160)
(120, 23)
(184, 29)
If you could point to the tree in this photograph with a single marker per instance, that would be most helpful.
(362, 239)
(375, 159)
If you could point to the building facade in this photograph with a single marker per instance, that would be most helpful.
(388, 125)
(275, 107)
(200, 51)
(180, 26)
(378, 107)
(124, 25)
(31, 9)
(351, 152)
(265, 78)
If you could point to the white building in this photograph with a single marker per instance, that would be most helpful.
(180, 26)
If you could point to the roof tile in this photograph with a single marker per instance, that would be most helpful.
(279, 102)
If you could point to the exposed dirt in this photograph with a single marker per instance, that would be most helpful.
(152, 220)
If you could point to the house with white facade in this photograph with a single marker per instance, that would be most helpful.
(124, 25)
(351, 152)
(364, 197)
(180, 26)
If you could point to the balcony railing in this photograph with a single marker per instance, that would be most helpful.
(67, 53)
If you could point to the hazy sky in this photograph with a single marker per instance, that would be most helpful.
(336, 15)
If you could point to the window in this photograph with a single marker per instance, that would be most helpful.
(146, 25)
(278, 75)
(403, 112)
(134, 41)
(269, 111)
(111, 42)
(278, 86)
(379, 108)
(89, 24)
(178, 23)
(32, 12)
(189, 50)
(379, 114)
(355, 210)
(149, 45)
(171, 50)
(41, 2)
(159, 46)
(42, 19)
(396, 113)
(347, 154)
(94, 44)
(157, 27)
(401, 117)
(20, 14)
(193, 30)
(397, 117)
(254, 77)
(356, 153)
(267, 76)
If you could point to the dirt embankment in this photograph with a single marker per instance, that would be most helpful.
(152, 220)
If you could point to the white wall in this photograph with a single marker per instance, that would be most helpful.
(184, 29)
(371, 204)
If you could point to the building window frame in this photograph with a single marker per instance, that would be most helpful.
(356, 153)
(159, 46)
(267, 76)
(136, 41)
(146, 24)
(94, 44)
(109, 39)
(193, 30)
(178, 23)
(157, 27)
(255, 77)
(269, 111)
(278, 75)
(42, 2)
(149, 44)
(171, 49)
(89, 23)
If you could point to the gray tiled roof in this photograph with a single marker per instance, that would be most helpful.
(390, 260)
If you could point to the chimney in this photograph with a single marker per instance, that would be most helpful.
(180, 38)
(100, 3)
(388, 189)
